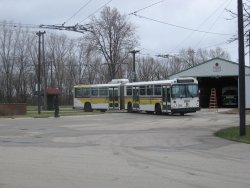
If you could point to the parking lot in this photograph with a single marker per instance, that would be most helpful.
(114, 150)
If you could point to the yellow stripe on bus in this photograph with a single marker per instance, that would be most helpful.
(96, 100)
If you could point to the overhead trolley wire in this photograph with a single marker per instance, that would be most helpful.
(182, 27)
(216, 20)
(96, 11)
(146, 7)
(189, 35)
(77, 11)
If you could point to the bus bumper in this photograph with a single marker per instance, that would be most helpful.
(185, 110)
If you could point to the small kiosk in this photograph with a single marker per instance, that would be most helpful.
(52, 93)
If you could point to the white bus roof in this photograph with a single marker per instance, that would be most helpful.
(164, 82)
(160, 82)
(96, 85)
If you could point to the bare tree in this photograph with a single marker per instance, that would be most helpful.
(189, 57)
(113, 36)
(148, 69)
(246, 19)
(8, 44)
(58, 49)
(23, 67)
(219, 52)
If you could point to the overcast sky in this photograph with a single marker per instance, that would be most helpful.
(155, 37)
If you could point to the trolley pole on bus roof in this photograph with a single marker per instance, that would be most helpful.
(242, 95)
(134, 74)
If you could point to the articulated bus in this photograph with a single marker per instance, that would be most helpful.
(165, 96)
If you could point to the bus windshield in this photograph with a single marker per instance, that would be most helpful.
(184, 91)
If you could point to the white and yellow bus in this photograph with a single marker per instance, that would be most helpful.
(165, 96)
(100, 96)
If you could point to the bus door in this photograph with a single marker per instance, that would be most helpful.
(164, 98)
(113, 98)
(168, 94)
(136, 98)
(166, 105)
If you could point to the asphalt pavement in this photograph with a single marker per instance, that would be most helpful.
(121, 150)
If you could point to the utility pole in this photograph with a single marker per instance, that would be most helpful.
(134, 74)
(242, 94)
(44, 76)
(39, 34)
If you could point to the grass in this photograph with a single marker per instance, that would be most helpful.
(32, 111)
(232, 133)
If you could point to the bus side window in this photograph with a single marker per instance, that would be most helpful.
(129, 91)
(164, 94)
(85, 92)
(157, 89)
(103, 92)
(94, 91)
(149, 90)
(110, 94)
(142, 90)
(116, 94)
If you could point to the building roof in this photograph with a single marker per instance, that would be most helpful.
(215, 67)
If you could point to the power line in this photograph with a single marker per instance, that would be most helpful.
(96, 11)
(16, 25)
(181, 27)
(215, 45)
(212, 25)
(189, 36)
(146, 7)
(77, 11)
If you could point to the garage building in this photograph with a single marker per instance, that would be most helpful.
(222, 75)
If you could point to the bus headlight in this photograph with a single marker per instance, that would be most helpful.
(197, 104)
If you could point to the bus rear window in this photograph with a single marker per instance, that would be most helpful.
(78, 92)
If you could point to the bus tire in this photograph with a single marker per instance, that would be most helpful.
(157, 109)
(130, 110)
(182, 113)
(87, 107)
